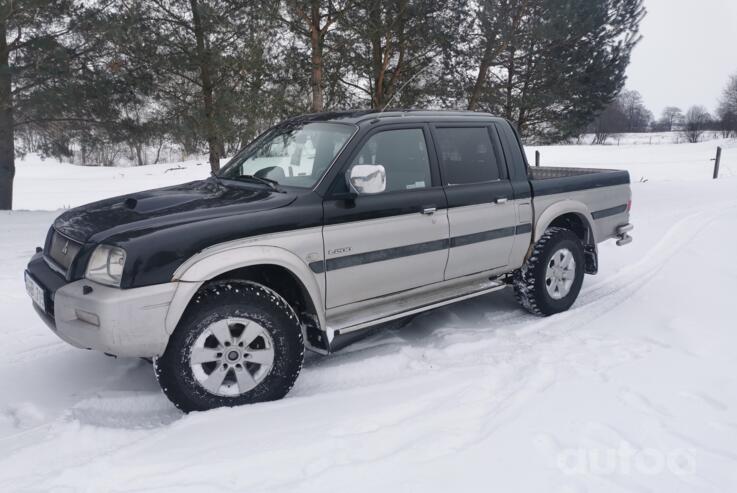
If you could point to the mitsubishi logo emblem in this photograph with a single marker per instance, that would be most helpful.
(65, 250)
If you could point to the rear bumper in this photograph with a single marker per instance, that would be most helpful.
(121, 322)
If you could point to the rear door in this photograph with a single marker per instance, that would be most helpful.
(393, 241)
(481, 212)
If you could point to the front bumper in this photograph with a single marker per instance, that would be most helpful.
(121, 322)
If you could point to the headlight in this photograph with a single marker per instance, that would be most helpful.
(106, 265)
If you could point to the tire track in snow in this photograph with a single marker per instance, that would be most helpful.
(516, 354)
(621, 286)
(526, 354)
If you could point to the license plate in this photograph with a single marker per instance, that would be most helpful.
(36, 292)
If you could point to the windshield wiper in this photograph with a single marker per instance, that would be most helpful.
(258, 179)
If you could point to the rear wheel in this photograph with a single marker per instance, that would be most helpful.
(551, 279)
(238, 343)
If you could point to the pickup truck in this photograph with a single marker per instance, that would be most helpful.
(323, 228)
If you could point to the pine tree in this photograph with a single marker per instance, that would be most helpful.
(45, 75)
(312, 21)
(385, 44)
(551, 65)
(210, 60)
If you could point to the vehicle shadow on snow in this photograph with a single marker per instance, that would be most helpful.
(485, 313)
(464, 321)
(128, 396)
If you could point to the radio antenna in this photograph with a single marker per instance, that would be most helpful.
(403, 86)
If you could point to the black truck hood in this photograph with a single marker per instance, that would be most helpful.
(138, 213)
(160, 229)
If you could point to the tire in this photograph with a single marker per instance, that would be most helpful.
(546, 292)
(237, 343)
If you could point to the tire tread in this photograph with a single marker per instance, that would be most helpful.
(211, 296)
(526, 292)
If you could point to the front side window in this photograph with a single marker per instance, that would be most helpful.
(403, 153)
(467, 155)
(291, 155)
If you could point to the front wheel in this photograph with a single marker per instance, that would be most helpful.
(238, 343)
(551, 279)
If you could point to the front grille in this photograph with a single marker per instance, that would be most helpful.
(63, 250)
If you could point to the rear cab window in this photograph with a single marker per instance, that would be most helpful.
(467, 155)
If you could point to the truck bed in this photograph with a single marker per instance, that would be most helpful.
(546, 180)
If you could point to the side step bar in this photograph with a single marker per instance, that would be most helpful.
(344, 335)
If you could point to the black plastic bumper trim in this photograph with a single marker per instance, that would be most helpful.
(612, 211)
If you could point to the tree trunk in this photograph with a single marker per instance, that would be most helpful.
(478, 87)
(316, 41)
(139, 154)
(158, 151)
(508, 104)
(7, 147)
(207, 87)
(377, 55)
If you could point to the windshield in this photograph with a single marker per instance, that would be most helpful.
(293, 155)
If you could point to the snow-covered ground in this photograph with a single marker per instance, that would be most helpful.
(634, 389)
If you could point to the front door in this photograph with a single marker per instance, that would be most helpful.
(391, 241)
(481, 209)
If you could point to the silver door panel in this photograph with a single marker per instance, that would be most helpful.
(366, 259)
(475, 255)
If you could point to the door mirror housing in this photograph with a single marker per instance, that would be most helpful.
(367, 179)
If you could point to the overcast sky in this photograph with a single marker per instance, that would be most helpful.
(688, 51)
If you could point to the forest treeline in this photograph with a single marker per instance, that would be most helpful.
(628, 113)
(100, 78)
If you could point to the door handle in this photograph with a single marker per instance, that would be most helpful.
(501, 200)
(429, 210)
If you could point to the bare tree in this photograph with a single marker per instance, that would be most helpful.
(611, 120)
(671, 116)
(727, 111)
(637, 115)
(627, 113)
(696, 121)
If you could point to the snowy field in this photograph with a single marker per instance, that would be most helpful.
(634, 389)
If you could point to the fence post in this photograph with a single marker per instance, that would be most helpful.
(716, 162)
(537, 158)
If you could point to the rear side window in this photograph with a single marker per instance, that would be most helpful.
(403, 153)
(467, 155)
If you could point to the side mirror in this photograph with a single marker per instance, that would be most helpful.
(367, 178)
